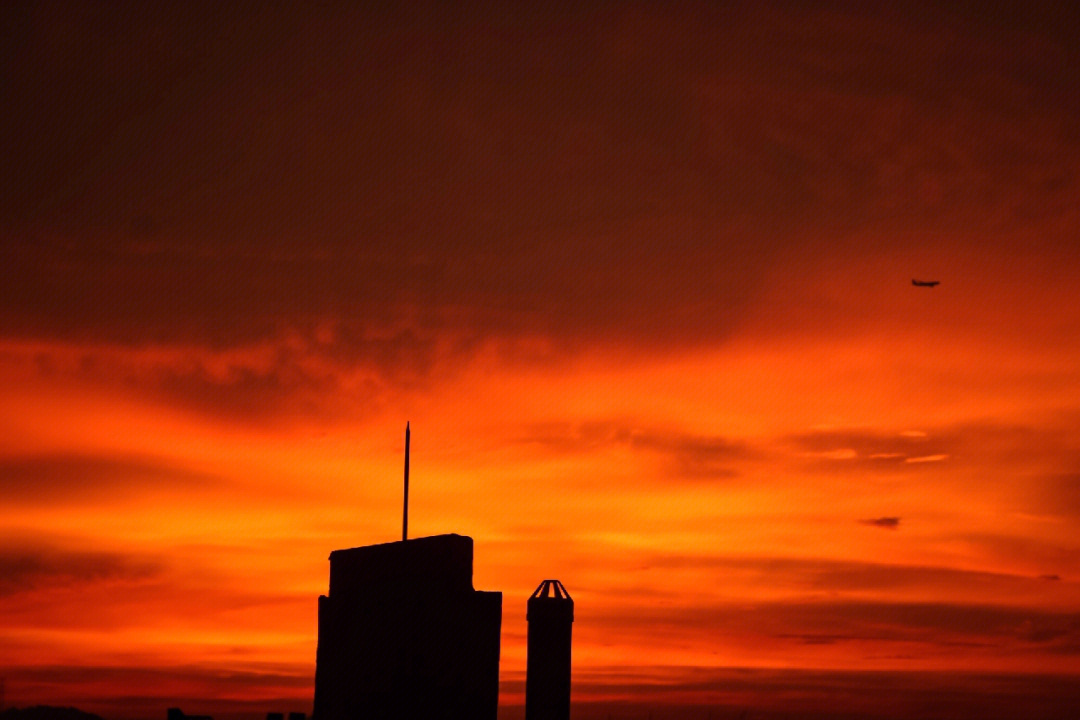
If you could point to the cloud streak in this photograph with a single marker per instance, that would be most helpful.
(34, 570)
(686, 455)
(886, 523)
(59, 479)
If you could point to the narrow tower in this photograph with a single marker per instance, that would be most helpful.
(547, 672)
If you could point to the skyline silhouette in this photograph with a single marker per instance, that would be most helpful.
(640, 277)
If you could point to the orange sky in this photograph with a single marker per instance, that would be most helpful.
(639, 276)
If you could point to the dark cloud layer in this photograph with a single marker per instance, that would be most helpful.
(594, 170)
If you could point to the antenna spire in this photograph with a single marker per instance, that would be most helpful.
(405, 511)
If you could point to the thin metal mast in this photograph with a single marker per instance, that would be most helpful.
(405, 511)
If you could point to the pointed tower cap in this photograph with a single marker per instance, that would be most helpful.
(550, 602)
(552, 589)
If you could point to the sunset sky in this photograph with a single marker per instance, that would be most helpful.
(638, 274)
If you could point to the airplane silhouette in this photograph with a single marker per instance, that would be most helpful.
(925, 283)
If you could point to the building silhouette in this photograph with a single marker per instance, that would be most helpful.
(550, 616)
(404, 636)
(174, 713)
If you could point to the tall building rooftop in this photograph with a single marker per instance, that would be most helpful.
(403, 635)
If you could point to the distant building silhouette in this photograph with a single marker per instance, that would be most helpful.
(178, 714)
(404, 636)
(547, 676)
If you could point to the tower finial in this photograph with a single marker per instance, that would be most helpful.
(405, 511)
